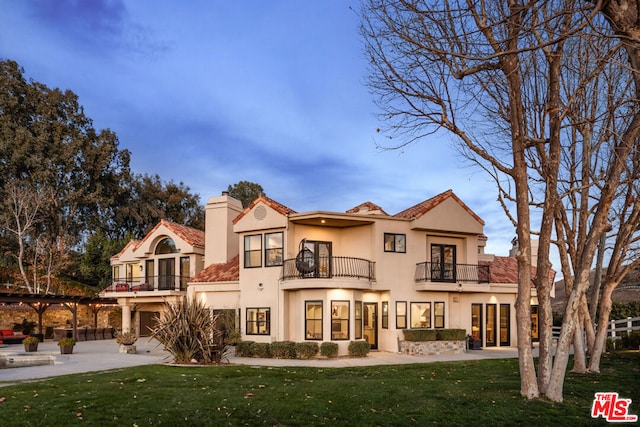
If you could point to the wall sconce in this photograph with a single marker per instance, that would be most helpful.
(140, 267)
(260, 286)
(459, 287)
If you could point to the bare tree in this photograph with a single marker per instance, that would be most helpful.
(497, 75)
(21, 209)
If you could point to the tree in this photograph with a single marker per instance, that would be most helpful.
(48, 143)
(146, 199)
(20, 217)
(245, 191)
(496, 76)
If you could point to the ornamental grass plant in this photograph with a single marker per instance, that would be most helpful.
(189, 331)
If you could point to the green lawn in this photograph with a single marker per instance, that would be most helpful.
(458, 393)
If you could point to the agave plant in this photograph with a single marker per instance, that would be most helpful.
(188, 331)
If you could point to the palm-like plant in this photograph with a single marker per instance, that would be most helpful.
(188, 330)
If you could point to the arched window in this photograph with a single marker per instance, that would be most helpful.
(166, 246)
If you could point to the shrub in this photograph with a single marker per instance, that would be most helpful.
(283, 350)
(244, 348)
(66, 342)
(419, 334)
(261, 349)
(30, 340)
(126, 338)
(359, 348)
(450, 334)
(614, 345)
(329, 349)
(631, 341)
(188, 331)
(306, 350)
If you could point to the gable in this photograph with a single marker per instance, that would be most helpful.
(262, 214)
(444, 212)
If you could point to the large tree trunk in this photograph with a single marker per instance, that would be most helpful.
(545, 322)
(556, 384)
(600, 343)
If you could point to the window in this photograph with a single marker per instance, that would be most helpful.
(401, 314)
(339, 320)
(252, 251)
(358, 318)
(258, 321)
(492, 324)
(273, 249)
(420, 314)
(443, 263)
(313, 319)
(505, 324)
(149, 274)
(166, 246)
(438, 314)
(395, 242)
(385, 314)
(185, 272)
(116, 273)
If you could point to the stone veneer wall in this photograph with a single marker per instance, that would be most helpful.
(56, 315)
(432, 348)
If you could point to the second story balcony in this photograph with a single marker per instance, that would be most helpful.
(332, 271)
(149, 284)
(451, 273)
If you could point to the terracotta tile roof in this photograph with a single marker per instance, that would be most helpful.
(368, 208)
(278, 207)
(227, 272)
(422, 208)
(190, 235)
(504, 269)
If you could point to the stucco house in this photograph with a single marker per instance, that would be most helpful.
(149, 273)
(331, 276)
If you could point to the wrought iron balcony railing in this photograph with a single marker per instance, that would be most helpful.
(315, 267)
(152, 283)
(447, 272)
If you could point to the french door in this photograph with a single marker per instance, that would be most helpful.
(370, 324)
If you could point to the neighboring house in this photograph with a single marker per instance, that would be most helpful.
(363, 274)
(154, 271)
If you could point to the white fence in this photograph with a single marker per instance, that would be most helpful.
(616, 327)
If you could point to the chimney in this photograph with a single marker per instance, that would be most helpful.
(221, 243)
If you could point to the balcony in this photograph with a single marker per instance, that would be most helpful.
(341, 271)
(150, 284)
(452, 273)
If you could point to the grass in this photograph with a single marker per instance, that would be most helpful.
(482, 392)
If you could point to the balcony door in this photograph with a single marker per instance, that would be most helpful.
(443, 263)
(314, 260)
(166, 273)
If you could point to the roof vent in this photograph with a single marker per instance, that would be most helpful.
(260, 213)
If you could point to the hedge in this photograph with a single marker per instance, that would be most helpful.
(306, 350)
(329, 349)
(283, 350)
(434, 334)
(359, 348)
(419, 334)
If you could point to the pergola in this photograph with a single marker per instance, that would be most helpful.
(41, 302)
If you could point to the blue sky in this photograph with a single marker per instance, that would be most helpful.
(214, 92)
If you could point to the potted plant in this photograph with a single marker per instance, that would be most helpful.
(30, 344)
(126, 341)
(66, 345)
(26, 326)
